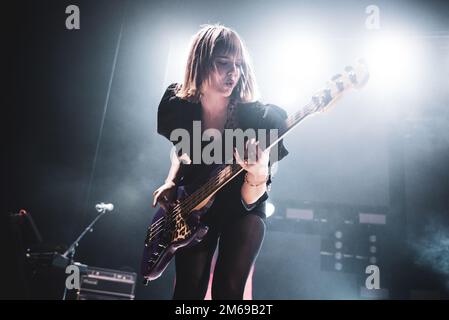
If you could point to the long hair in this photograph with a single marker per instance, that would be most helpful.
(207, 43)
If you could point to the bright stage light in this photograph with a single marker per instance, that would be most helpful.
(300, 57)
(270, 209)
(394, 62)
(296, 63)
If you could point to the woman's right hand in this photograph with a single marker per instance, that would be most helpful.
(165, 195)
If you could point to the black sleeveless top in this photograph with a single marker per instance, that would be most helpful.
(176, 113)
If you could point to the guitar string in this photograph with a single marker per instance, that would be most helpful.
(216, 183)
(179, 206)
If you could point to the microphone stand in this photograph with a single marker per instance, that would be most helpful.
(69, 254)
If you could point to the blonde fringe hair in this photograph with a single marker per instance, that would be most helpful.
(206, 44)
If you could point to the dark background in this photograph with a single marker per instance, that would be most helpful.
(379, 149)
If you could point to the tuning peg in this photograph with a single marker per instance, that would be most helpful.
(351, 75)
(327, 96)
(336, 77)
(338, 82)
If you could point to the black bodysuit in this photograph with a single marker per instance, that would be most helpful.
(240, 227)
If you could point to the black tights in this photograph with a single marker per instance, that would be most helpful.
(240, 242)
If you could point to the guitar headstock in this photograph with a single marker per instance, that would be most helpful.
(340, 83)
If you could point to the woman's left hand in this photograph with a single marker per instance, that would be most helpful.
(256, 160)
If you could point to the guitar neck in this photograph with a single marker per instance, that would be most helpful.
(291, 122)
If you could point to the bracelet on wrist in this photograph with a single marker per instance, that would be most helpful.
(255, 184)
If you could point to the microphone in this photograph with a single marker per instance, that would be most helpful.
(22, 213)
(103, 207)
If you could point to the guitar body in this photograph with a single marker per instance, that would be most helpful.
(180, 226)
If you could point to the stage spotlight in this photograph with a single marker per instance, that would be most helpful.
(297, 63)
(300, 57)
(393, 62)
(270, 209)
